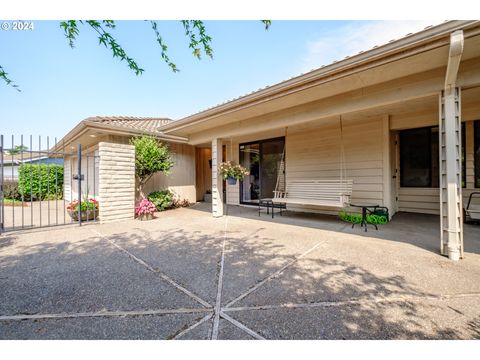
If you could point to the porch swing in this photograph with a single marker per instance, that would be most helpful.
(317, 192)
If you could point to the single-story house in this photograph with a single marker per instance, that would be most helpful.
(401, 120)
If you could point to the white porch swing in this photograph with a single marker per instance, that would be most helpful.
(317, 192)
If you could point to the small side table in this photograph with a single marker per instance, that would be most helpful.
(365, 208)
(265, 203)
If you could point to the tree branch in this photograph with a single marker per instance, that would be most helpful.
(8, 81)
(163, 48)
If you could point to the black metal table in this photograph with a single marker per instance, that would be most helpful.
(265, 203)
(365, 208)
(268, 203)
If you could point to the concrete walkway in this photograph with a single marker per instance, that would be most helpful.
(186, 275)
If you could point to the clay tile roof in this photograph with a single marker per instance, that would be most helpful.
(149, 124)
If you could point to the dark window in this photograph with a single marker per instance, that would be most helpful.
(419, 157)
(476, 144)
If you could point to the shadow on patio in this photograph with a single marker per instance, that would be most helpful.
(420, 230)
(91, 275)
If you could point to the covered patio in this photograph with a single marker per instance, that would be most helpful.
(399, 120)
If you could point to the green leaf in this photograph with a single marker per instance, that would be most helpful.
(8, 81)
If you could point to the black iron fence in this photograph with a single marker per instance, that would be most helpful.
(43, 183)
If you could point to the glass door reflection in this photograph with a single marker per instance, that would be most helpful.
(263, 159)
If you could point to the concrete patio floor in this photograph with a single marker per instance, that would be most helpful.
(187, 275)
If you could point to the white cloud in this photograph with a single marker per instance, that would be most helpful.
(354, 37)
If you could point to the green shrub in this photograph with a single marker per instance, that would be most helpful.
(151, 156)
(40, 181)
(10, 190)
(161, 199)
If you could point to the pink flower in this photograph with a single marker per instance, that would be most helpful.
(145, 207)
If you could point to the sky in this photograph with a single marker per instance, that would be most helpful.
(62, 86)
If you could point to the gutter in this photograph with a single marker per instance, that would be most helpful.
(292, 85)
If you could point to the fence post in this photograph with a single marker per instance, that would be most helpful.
(79, 182)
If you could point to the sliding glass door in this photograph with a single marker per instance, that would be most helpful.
(264, 161)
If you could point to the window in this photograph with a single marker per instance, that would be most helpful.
(419, 157)
(476, 144)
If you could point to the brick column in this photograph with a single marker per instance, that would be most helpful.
(116, 181)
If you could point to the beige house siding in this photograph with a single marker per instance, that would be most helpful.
(233, 191)
(315, 154)
(181, 179)
(427, 200)
(419, 200)
(90, 184)
(203, 171)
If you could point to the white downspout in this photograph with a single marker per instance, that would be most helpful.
(454, 57)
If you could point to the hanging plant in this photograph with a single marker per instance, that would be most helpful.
(232, 172)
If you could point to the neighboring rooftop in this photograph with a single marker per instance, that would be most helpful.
(149, 124)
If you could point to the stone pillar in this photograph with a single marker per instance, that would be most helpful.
(387, 167)
(116, 181)
(217, 183)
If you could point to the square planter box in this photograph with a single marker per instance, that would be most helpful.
(207, 198)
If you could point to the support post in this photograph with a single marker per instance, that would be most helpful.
(450, 175)
(79, 182)
(450, 142)
(217, 183)
(387, 168)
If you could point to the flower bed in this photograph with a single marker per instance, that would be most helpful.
(88, 209)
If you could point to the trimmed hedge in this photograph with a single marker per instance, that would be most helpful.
(40, 181)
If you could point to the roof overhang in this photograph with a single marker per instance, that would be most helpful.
(416, 53)
(94, 129)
